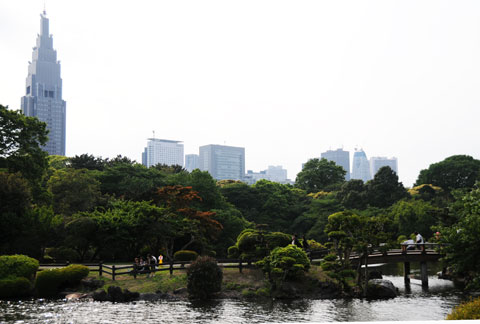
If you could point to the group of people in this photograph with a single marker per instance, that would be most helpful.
(148, 265)
(303, 245)
(417, 243)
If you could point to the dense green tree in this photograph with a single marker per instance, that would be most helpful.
(353, 194)
(243, 197)
(415, 215)
(233, 224)
(385, 189)
(21, 141)
(74, 191)
(455, 172)
(87, 161)
(131, 181)
(318, 175)
(463, 238)
(206, 187)
(320, 208)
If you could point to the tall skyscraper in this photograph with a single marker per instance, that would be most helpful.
(191, 162)
(161, 151)
(341, 158)
(377, 162)
(277, 173)
(222, 162)
(43, 91)
(361, 167)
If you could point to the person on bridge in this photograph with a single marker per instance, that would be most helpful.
(419, 241)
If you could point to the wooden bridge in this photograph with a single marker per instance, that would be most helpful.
(428, 252)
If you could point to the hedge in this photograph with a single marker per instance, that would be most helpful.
(185, 255)
(17, 266)
(15, 287)
(49, 282)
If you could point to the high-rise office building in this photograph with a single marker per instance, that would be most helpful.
(377, 162)
(341, 158)
(161, 151)
(360, 167)
(43, 90)
(191, 162)
(222, 162)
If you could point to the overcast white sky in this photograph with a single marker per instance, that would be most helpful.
(287, 80)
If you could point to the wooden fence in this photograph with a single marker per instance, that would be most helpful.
(134, 270)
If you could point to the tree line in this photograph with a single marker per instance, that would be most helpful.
(86, 207)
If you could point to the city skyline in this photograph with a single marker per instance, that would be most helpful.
(398, 79)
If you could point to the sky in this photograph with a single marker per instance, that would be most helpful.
(287, 80)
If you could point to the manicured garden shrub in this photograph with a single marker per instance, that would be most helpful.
(15, 287)
(285, 263)
(185, 255)
(74, 273)
(204, 278)
(254, 244)
(466, 311)
(17, 266)
(49, 282)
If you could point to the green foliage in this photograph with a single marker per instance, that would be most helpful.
(415, 215)
(87, 161)
(463, 238)
(233, 224)
(353, 194)
(285, 263)
(49, 282)
(204, 278)
(15, 287)
(455, 172)
(185, 255)
(466, 311)
(21, 144)
(254, 244)
(17, 266)
(318, 175)
(385, 189)
(74, 191)
(233, 252)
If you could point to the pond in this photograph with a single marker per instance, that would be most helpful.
(413, 303)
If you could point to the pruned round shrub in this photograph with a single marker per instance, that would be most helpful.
(277, 239)
(285, 263)
(466, 311)
(233, 252)
(49, 282)
(204, 278)
(74, 273)
(15, 287)
(253, 244)
(185, 255)
(17, 266)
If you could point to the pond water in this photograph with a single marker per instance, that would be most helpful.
(413, 303)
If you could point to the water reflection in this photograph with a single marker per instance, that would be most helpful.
(413, 303)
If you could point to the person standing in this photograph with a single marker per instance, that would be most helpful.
(419, 241)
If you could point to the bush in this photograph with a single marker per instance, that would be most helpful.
(185, 255)
(466, 311)
(204, 278)
(254, 244)
(17, 266)
(49, 282)
(285, 263)
(15, 287)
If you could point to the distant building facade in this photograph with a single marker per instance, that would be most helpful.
(222, 162)
(341, 158)
(377, 162)
(161, 151)
(360, 166)
(191, 162)
(43, 91)
(273, 173)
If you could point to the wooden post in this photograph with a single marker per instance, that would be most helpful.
(406, 272)
(100, 269)
(171, 267)
(423, 273)
(113, 272)
(134, 271)
(240, 265)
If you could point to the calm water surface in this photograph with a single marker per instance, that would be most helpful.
(414, 303)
